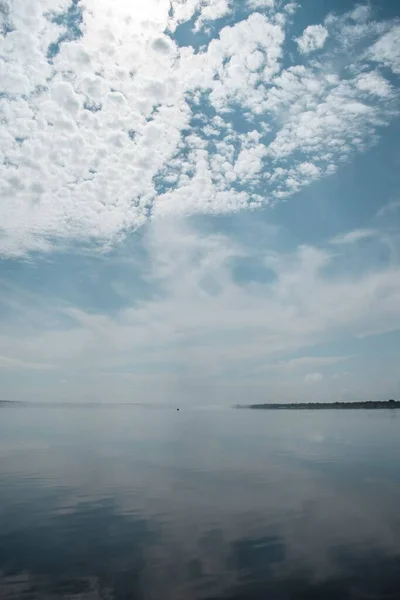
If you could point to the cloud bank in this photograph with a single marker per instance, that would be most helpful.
(201, 325)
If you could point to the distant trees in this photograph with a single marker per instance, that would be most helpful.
(374, 404)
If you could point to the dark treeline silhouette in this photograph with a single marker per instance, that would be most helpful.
(326, 405)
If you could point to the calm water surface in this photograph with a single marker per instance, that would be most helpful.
(134, 503)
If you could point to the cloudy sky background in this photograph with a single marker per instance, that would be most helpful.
(199, 200)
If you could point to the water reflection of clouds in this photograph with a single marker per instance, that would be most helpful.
(202, 531)
(194, 515)
(96, 552)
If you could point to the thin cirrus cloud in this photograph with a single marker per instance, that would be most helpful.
(352, 237)
(109, 119)
(389, 208)
(15, 364)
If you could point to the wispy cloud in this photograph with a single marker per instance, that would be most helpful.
(8, 363)
(389, 208)
(352, 237)
(307, 362)
(202, 324)
(387, 49)
(313, 378)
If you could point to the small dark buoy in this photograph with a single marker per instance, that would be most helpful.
(177, 409)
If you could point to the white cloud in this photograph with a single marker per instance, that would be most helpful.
(307, 362)
(291, 7)
(261, 3)
(97, 132)
(313, 38)
(374, 83)
(352, 237)
(361, 13)
(389, 208)
(231, 79)
(8, 363)
(313, 378)
(210, 11)
(202, 323)
(387, 50)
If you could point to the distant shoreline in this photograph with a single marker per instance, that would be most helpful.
(372, 405)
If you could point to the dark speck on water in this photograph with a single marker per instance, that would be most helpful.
(118, 503)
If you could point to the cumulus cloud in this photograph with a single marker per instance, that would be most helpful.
(387, 50)
(210, 11)
(373, 83)
(107, 120)
(206, 11)
(313, 38)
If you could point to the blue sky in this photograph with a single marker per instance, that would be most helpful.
(200, 200)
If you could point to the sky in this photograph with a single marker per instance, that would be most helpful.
(199, 201)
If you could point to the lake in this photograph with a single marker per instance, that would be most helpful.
(150, 503)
